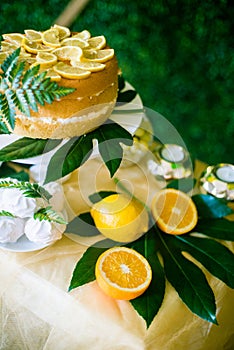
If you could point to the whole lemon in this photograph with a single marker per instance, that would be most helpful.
(120, 218)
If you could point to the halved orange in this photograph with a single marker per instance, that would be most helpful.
(174, 211)
(123, 273)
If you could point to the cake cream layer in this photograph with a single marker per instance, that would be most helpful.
(79, 124)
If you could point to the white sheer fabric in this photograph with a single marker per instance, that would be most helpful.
(38, 313)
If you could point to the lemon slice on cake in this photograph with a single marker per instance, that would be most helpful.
(98, 55)
(97, 42)
(89, 65)
(75, 42)
(63, 32)
(50, 72)
(14, 38)
(6, 46)
(33, 35)
(3, 56)
(68, 53)
(46, 59)
(51, 38)
(84, 35)
(34, 47)
(69, 72)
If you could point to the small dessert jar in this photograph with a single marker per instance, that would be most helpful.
(218, 180)
(171, 162)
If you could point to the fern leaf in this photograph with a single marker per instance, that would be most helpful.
(29, 75)
(39, 97)
(22, 102)
(9, 61)
(17, 77)
(8, 110)
(31, 100)
(24, 90)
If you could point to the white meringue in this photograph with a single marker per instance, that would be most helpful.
(57, 199)
(44, 231)
(11, 229)
(14, 201)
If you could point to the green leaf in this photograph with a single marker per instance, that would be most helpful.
(7, 171)
(217, 228)
(26, 148)
(211, 207)
(126, 96)
(148, 304)
(9, 62)
(6, 213)
(69, 157)
(20, 175)
(84, 271)
(186, 185)
(83, 225)
(109, 137)
(216, 258)
(77, 150)
(96, 197)
(188, 280)
(50, 215)
(121, 82)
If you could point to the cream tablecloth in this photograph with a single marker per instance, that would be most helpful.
(38, 313)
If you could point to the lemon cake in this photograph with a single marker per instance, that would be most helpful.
(74, 60)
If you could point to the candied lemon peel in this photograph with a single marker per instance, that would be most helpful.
(80, 53)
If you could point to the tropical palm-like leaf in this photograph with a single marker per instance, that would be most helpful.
(185, 276)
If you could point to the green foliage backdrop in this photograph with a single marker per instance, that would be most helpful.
(178, 54)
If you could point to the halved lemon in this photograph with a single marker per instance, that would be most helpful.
(84, 35)
(34, 47)
(97, 42)
(64, 32)
(98, 55)
(75, 42)
(91, 66)
(69, 72)
(68, 53)
(46, 59)
(15, 38)
(51, 38)
(33, 35)
(174, 211)
(123, 273)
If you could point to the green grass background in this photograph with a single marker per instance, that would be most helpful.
(177, 54)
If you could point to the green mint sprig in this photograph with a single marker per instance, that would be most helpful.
(6, 213)
(32, 190)
(50, 215)
(23, 90)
